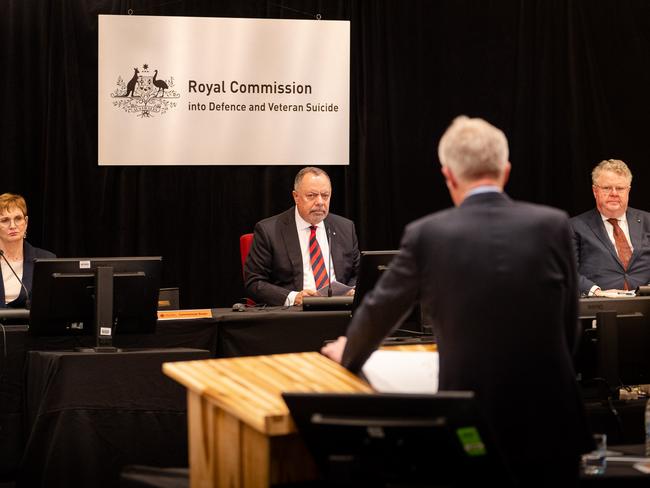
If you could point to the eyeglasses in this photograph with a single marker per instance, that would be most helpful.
(609, 189)
(17, 221)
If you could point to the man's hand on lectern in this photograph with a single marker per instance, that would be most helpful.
(304, 293)
(334, 350)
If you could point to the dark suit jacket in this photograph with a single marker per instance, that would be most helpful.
(598, 262)
(274, 264)
(499, 280)
(29, 254)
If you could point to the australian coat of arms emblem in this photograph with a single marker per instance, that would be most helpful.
(144, 94)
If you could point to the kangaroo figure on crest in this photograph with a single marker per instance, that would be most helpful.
(130, 87)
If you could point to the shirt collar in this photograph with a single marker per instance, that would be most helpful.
(622, 218)
(483, 189)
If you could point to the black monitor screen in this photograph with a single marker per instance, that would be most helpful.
(624, 356)
(397, 439)
(63, 295)
(371, 266)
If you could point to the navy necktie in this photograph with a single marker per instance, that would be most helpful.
(317, 262)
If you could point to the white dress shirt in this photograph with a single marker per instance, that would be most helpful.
(12, 285)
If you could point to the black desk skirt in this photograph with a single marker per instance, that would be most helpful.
(90, 414)
(276, 330)
(16, 342)
(225, 334)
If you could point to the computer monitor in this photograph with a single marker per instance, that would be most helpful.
(589, 307)
(95, 296)
(397, 439)
(615, 343)
(371, 266)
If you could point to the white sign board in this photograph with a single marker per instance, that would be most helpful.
(218, 91)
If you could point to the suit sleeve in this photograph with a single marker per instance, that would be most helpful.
(385, 307)
(573, 281)
(355, 258)
(584, 284)
(258, 269)
(345, 250)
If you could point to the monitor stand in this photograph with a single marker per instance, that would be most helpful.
(608, 350)
(103, 312)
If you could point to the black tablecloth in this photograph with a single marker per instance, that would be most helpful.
(90, 414)
(276, 330)
(16, 342)
(225, 334)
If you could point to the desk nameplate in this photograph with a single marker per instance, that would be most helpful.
(205, 313)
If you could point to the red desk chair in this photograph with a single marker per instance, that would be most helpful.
(245, 242)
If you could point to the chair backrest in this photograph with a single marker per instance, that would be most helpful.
(245, 242)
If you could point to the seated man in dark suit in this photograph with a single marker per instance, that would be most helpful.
(290, 255)
(499, 280)
(612, 241)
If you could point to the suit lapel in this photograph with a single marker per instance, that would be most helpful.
(597, 226)
(28, 266)
(335, 250)
(2, 291)
(635, 226)
(292, 245)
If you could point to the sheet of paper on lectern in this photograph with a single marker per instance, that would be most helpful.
(338, 289)
(617, 293)
(402, 371)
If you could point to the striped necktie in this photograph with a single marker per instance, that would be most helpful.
(317, 262)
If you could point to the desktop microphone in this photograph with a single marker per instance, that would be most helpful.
(2, 253)
(329, 252)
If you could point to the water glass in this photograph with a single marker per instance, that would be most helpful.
(595, 462)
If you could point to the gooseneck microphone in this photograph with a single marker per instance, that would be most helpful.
(329, 255)
(2, 253)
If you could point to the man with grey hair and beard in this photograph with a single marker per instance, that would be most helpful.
(304, 249)
(500, 282)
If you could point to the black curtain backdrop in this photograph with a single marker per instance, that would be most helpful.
(567, 81)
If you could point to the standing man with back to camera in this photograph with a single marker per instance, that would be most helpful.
(290, 255)
(612, 241)
(499, 280)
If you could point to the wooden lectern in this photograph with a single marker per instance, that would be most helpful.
(240, 430)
